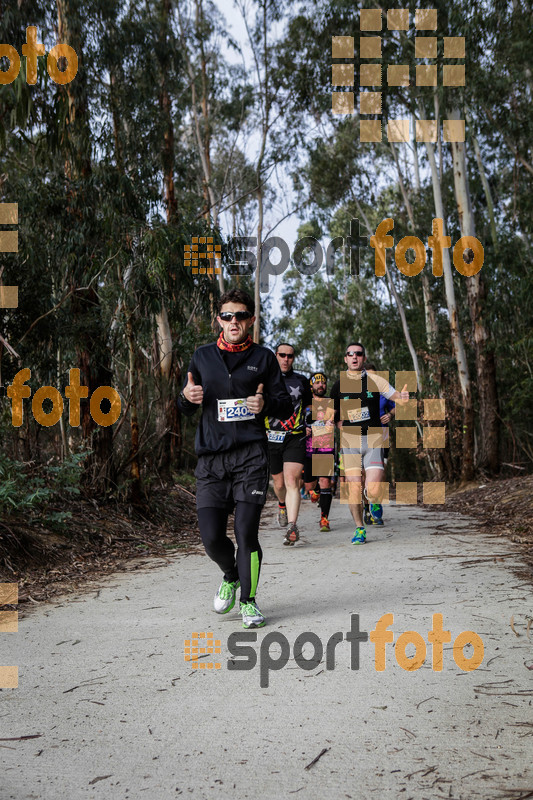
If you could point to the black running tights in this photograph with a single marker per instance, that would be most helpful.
(247, 565)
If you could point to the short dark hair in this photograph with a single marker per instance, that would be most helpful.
(237, 296)
(285, 344)
(355, 344)
(369, 365)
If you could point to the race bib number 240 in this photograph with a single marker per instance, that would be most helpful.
(234, 410)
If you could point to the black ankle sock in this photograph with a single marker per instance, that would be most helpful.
(280, 504)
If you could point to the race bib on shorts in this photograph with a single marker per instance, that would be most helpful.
(359, 414)
(234, 410)
(276, 436)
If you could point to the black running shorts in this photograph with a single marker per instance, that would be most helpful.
(240, 475)
(291, 449)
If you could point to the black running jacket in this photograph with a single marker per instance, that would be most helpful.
(257, 365)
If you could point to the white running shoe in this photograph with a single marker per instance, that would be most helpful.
(225, 597)
(251, 616)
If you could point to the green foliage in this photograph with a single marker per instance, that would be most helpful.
(33, 492)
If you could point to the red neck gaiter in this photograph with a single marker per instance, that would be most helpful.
(233, 348)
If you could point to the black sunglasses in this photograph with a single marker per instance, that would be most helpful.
(355, 353)
(285, 355)
(240, 316)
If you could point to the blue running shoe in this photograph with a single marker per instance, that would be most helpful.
(359, 536)
(376, 514)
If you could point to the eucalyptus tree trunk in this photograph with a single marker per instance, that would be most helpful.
(429, 311)
(166, 365)
(477, 292)
(89, 335)
(467, 459)
(399, 305)
(202, 124)
(265, 124)
(261, 56)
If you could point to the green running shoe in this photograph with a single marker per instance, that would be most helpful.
(225, 597)
(282, 516)
(359, 536)
(251, 616)
(376, 514)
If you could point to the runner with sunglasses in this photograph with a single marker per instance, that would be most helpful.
(236, 383)
(387, 409)
(357, 408)
(320, 440)
(286, 444)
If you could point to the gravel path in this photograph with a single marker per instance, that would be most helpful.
(120, 714)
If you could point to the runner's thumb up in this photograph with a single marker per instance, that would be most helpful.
(193, 393)
(260, 389)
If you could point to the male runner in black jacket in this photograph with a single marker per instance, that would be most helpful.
(286, 444)
(237, 383)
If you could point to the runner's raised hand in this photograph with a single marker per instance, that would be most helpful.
(404, 394)
(256, 401)
(193, 393)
